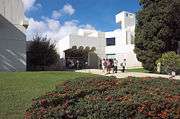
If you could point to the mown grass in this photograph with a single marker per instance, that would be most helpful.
(18, 89)
(140, 70)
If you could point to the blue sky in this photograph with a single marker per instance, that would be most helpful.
(98, 13)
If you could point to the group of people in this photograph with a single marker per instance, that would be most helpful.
(73, 64)
(111, 65)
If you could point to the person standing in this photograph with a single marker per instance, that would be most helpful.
(115, 66)
(77, 64)
(123, 65)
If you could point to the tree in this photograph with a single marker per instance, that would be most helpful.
(169, 61)
(157, 30)
(81, 54)
(41, 53)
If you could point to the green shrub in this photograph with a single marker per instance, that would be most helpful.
(109, 98)
(170, 61)
(178, 65)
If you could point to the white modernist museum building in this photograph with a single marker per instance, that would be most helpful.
(117, 44)
(12, 36)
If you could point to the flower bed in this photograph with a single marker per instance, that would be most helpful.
(109, 98)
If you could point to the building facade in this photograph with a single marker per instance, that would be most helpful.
(12, 36)
(85, 38)
(117, 44)
(120, 42)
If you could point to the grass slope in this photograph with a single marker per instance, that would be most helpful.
(18, 89)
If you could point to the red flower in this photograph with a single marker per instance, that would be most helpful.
(108, 98)
(163, 115)
(141, 109)
(66, 104)
(43, 102)
(43, 110)
(27, 115)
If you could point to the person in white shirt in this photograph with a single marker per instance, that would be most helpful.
(104, 65)
(173, 75)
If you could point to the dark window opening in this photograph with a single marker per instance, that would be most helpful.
(110, 41)
(127, 14)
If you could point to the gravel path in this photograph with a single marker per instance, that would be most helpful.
(126, 74)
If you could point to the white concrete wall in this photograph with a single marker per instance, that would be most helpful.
(126, 19)
(12, 47)
(123, 52)
(124, 47)
(12, 37)
(91, 41)
(63, 45)
(83, 38)
(13, 11)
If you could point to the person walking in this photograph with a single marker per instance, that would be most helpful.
(104, 65)
(108, 66)
(123, 65)
(115, 66)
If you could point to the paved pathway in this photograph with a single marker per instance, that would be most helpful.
(126, 74)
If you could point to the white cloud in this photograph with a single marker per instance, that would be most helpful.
(53, 29)
(87, 26)
(36, 6)
(68, 28)
(68, 9)
(28, 4)
(56, 14)
(35, 27)
(53, 25)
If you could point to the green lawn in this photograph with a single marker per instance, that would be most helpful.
(18, 89)
(142, 70)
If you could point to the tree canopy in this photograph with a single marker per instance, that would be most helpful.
(41, 53)
(80, 54)
(157, 30)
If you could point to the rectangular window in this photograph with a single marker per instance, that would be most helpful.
(110, 56)
(127, 14)
(126, 38)
(132, 39)
(110, 41)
